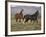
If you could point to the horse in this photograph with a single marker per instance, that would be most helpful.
(19, 16)
(32, 17)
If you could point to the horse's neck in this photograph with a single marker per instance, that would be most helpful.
(36, 13)
(21, 11)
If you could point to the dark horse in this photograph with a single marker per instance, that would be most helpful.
(32, 17)
(19, 16)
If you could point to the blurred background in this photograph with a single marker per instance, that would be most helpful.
(27, 10)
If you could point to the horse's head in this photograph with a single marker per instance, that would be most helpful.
(37, 13)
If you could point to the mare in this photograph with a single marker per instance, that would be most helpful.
(32, 17)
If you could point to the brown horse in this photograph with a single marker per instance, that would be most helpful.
(19, 16)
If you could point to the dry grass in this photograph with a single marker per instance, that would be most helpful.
(20, 26)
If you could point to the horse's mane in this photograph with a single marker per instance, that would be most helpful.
(36, 13)
(21, 11)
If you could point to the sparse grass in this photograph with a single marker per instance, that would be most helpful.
(20, 26)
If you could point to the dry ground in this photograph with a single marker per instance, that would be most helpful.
(20, 26)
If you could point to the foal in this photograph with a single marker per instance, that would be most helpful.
(19, 16)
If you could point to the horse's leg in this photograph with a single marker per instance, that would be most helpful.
(37, 21)
(30, 20)
(26, 20)
(19, 20)
(33, 21)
